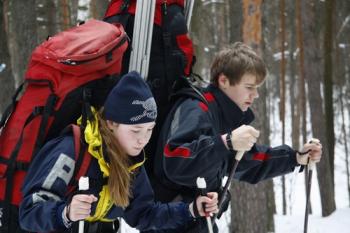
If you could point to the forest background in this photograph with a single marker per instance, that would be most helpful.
(306, 46)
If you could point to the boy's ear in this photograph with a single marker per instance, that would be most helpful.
(223, 81)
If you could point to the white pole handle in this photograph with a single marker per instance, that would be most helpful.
(83, 185)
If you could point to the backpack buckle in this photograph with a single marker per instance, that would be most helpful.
(38, 110)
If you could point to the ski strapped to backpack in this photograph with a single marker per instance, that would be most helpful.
(67, 73)
(171, 56)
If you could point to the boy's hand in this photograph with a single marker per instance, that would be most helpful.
(244, 137)
(315, 153)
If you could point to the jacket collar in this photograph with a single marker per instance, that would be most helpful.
(98, 150)
(230, 115)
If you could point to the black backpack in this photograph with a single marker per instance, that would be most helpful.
(171, 58)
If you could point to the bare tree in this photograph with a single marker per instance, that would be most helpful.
(6, 77)
(294, 92)
(283, 93)
(98, 8)
(328, 82)
(342, 77)
(302, 98)
(207, 36)
(66, 17)
(254, 201)
(23, 34)
(313, 72)
(345, 135)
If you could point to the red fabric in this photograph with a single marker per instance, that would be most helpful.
(89, 43)
(261, 156)
(115, 6)
(203, 106)
(209, 97)
(84, 165)
(17, 185)
(178, 152)
(81, 44)
(16, 196)
(186, 46)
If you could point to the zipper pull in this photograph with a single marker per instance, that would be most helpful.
(165, 7)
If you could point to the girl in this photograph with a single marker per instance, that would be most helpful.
(119, 186)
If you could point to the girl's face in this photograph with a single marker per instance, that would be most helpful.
(132, 138)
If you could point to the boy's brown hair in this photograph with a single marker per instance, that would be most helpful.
(236, 60)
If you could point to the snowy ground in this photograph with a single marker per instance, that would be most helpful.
(338, 222)
(293, 222)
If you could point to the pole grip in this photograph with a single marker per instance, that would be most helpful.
(83, 185)
(202, 186)
(239, 155)
(312, 164)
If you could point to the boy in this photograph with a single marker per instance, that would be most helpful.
(201, 139)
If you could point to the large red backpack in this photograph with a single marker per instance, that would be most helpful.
(67, 74)
(171, 58)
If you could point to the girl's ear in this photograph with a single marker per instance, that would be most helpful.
(110, 124)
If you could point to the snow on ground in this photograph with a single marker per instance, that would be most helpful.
(293, 222)
(338, 222)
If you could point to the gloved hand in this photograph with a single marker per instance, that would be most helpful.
(244, 137)
(315, 152)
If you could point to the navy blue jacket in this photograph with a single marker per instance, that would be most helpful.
(45, 194)
(191, 146)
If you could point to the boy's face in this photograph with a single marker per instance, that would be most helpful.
(243, 93)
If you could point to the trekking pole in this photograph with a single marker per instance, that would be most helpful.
(310, 168)
(188, 12)
(142, 37)
(83, 185)
(202, 185)
(238, 158)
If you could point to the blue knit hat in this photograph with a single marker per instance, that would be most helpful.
(130, 101)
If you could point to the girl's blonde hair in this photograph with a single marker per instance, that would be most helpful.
(119, 176)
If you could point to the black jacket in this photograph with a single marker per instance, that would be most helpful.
(46, 186)
(190, 145)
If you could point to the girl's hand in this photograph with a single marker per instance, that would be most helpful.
(210, 202)
(80, 207)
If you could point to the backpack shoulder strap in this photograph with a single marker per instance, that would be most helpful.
(184, 88)
(82, 156)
